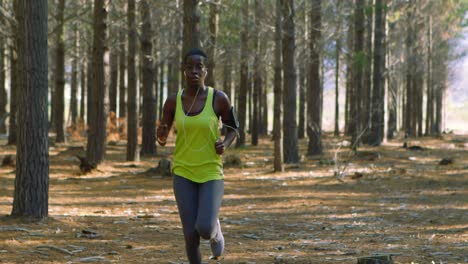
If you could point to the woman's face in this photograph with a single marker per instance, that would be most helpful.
(195, 70)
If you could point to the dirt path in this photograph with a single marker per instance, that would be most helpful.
(398, 202)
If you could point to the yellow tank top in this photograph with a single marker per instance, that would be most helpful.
(195, 156)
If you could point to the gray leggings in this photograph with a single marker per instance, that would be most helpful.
(198, 205)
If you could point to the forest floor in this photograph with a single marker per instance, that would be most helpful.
(332, 208)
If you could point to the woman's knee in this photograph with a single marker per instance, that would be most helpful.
(205, 229)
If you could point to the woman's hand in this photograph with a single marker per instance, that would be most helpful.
(161, 134)
(219, 146)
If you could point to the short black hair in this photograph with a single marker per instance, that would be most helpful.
(195, 51)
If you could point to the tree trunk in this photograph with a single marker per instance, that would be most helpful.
(430, 95)
(350, 90)
(149, 97)
(377, 120)
(161, 88)
(3, 92)
(74, 80)
(257, 78)
(97, 134)
(191, 33)
(211, 49)
(113, 62)
(357, 114)
(13, 87)
(82, 82)
(392, 102)
(337, 75)
(367, 74)
(264, 93)
(242, 96)
(59, 102)
(132, 100)
(30, 199)
(314, 103)
(227, 79)
(278, 106)
(302, 99)
(290, 141)
(89, 85)
(122, 68)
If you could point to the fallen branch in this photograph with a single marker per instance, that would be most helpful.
(59, 249)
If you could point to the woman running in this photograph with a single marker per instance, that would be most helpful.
(197, 166)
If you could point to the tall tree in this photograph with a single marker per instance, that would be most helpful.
(191, 32)
(83, 63)
(113, 60)
(278, 106)
(148, 145)
(30, 199)
(3, 92)
(257, 78)
(74, 77)
(97, 134)
(429, 87)
(303, 75)
(290, 141)
(132, 98)
(314, 104)
(377, 120)
(59, 102)
(367, 71)
(356, 114)
(244, 69)
(122, 68)
(211, 50)
(12, 125)
(336, 131)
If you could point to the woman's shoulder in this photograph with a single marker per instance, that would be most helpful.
(171, 100)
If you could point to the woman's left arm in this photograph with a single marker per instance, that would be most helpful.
(224, 109)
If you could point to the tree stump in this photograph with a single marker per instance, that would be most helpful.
(377, 259)
(85, 165)
(165, 167)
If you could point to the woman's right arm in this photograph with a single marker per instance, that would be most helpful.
(162, 131)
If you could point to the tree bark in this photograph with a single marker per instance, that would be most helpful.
(132, 99)
(367, 74)
(3, 92)
(83, 82)
(149, 96)
(74, 80)
(242, 96)
(13, 83)
(211, 49)
(278, 106)
(336, 131)
(302, 100)
(314, 103)
(97, 134)
(113, 62)
(290, 141)
(377, 120)
(257, 78)
(122, 71)
(430, 95)
(30, 199)
(59, 102)
(356, 115)
(191, 33)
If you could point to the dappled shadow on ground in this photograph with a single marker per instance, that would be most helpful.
(328, 209)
